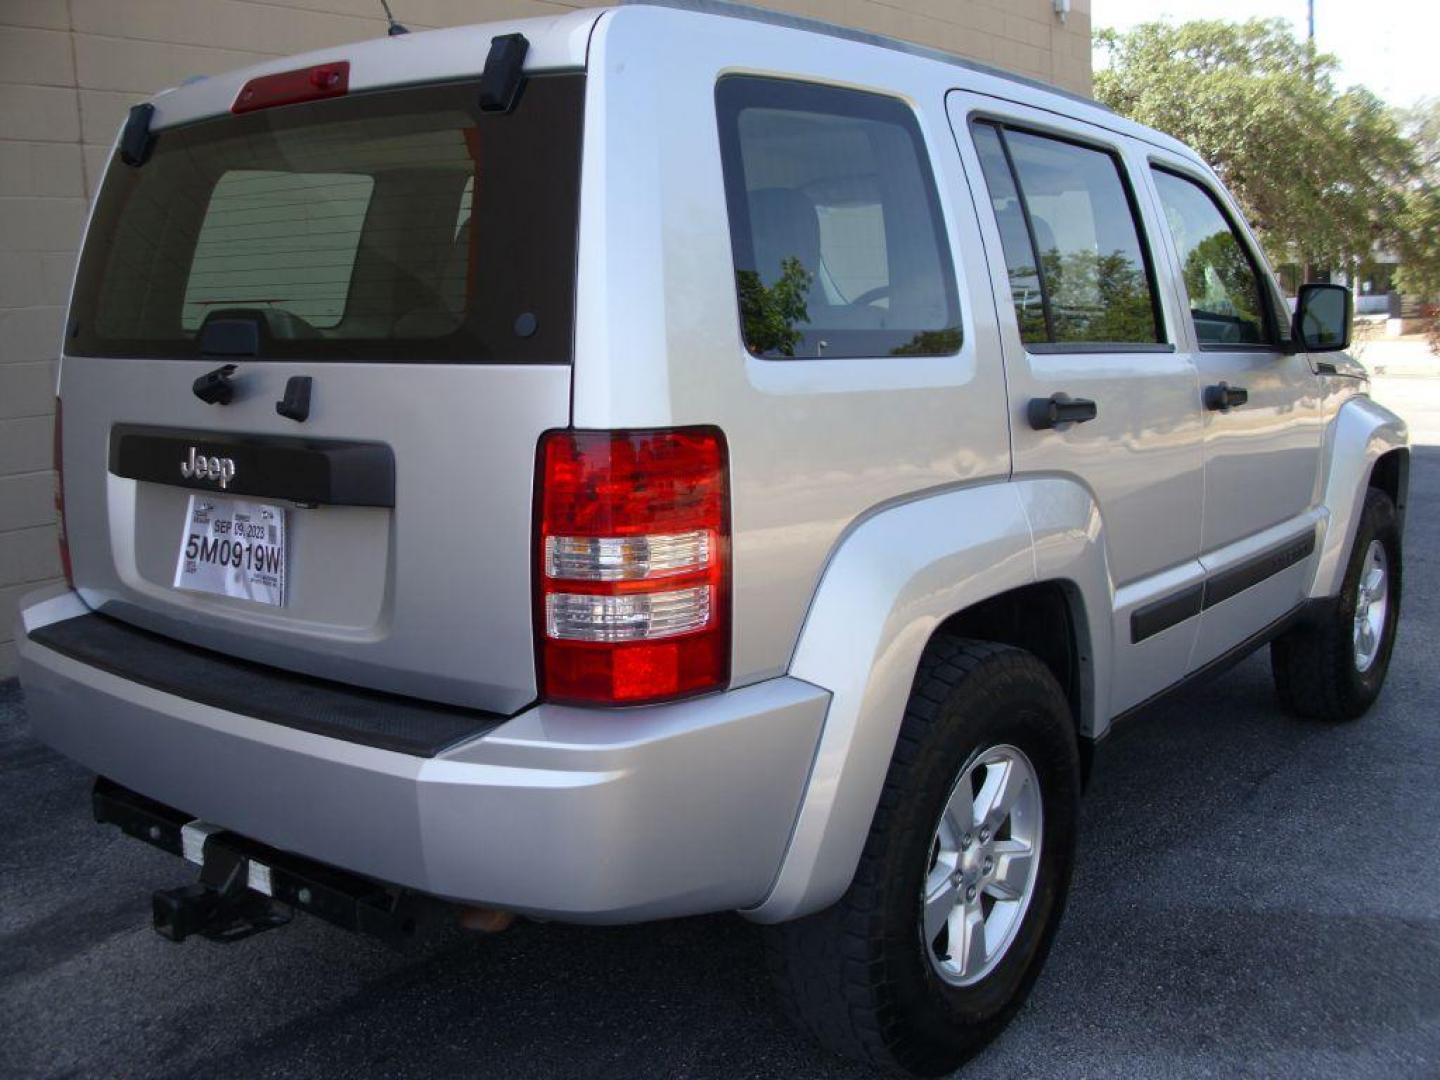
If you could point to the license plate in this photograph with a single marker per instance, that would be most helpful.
(233, 547)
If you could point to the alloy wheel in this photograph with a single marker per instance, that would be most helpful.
(984, 858)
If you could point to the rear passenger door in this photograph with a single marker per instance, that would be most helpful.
(1084, 321)
(1262, 411)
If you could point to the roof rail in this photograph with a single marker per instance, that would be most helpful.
(734, 10)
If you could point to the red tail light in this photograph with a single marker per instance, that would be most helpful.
(61, 537)
(632, 565)
(292, 87)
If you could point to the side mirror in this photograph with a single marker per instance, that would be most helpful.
(1322, 318)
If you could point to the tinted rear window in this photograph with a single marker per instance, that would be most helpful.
(399, 225)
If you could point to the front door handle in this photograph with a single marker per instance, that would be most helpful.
(1059, 409)
(1223, 397)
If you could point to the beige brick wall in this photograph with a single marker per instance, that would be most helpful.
(69, 69)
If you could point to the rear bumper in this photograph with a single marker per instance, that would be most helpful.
(576, 814)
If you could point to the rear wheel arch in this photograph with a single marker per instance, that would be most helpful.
(958, 556)
(1045, 619)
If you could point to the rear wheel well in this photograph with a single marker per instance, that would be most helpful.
(1041, 619)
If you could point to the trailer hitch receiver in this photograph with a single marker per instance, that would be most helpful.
(246, 887)
(220, 906)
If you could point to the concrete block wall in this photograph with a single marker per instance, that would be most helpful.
(69, 70)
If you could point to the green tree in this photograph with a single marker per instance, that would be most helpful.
(1320, 173)
(771, 314)
(1421, 125)
(1419, 221)
(1418, 245)
(1095, 297)
(931, 343)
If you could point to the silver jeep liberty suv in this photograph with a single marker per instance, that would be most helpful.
(679, 458)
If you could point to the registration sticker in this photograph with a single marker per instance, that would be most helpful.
(232, 547)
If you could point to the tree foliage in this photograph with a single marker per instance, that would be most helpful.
(1095, 297)
(1418, 245)
(1221, 287)
(771, 314)
(1322, 174)
(930, 343)
(1420, 123)
(1418, 225)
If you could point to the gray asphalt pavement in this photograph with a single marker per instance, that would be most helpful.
(1255, 896)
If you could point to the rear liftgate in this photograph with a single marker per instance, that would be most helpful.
(246, 887)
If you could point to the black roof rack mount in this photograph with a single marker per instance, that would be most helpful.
(136, 141)
(500, 81)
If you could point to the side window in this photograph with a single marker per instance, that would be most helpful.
(1226, 302)
(1079, 269)
(835, 223)
(1020, 259)
(278, 237)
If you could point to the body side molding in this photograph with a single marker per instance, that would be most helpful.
(1168, 611)
(1186, 603)
(1224, 584)
(1306, 610)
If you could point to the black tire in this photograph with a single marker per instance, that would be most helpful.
(857, 976)
(1316, 674)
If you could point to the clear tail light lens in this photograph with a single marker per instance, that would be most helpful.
(60, 535)
(626, 558)
(627, 617)
(632, 565)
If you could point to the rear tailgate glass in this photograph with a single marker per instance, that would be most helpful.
(401, 225)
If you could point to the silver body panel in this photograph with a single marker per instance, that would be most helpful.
(871, 500)
(558, 812)
(430, 599)
(814, 445)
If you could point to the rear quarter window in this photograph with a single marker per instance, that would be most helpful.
(835, 224)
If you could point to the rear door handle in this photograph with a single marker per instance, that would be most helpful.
(1059, 409)
(1223, 397)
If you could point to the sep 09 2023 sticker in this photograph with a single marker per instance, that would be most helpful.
(233, 547)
